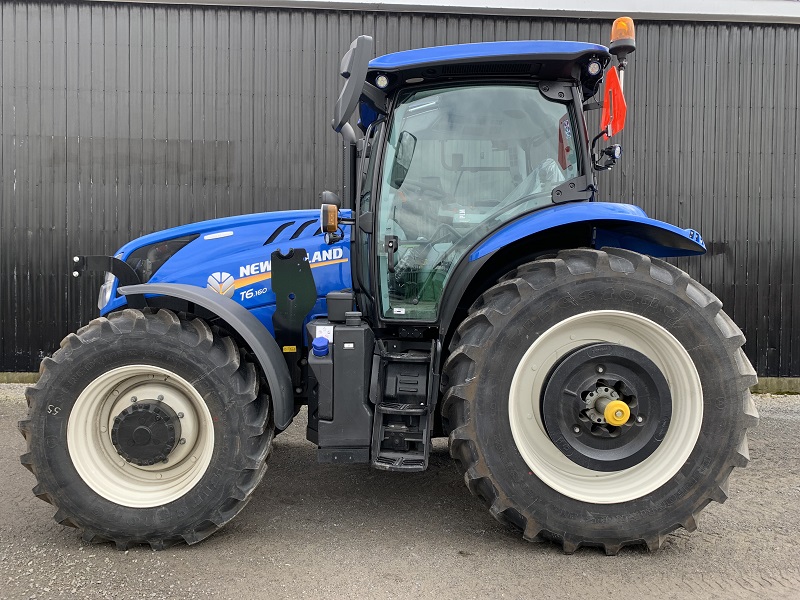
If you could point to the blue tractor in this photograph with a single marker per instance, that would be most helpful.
(466, 285)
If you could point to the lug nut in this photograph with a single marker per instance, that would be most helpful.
(160, 398)
(576, 429)
(639, 419)
(600, 369)
(180, 415)
(182, 441)
(134, 399)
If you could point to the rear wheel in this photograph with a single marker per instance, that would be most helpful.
(147, 428)
(598, 399)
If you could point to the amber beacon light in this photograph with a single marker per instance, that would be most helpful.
(623, 38)
(623, 42)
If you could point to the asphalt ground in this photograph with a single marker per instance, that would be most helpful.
(323, 531)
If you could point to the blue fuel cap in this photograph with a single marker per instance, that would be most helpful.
(320, 346)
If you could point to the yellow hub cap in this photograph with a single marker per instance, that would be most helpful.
(617, 413)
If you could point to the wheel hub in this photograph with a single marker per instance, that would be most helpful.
(146, 432)
(606, 407)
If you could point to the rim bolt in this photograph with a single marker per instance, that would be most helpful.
(639, 419)
(576, 429)
(134, 399)
(182, 441)
(160, 398)
(180, 415)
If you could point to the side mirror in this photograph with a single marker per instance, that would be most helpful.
(406, 145)
(329, 218)
(329, 221)
(354, 67)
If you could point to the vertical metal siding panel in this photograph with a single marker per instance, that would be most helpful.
(34, 287)
(21, 194)
(769, 233)
(247, 58)
(106, 171)
(737, 96)
(8, 258)
(56, 191)
(162, 207)
(234, 113)
(294, 115)
(260, 199)
(724, 169)
(123, 165)
(171, 123)
(198, 191)
(790, 350)
(320, 103)
(148, 217)
(131, 21)
(221, 133)
(95, 130)
(210, 110)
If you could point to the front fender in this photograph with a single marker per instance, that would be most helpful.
(616, 225)
(257, 337)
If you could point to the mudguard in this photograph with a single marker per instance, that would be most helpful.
(253, 332)
(617, 225)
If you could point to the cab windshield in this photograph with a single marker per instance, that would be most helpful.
(459, 162)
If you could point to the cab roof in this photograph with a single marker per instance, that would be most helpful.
(540, 59)
(488, 52)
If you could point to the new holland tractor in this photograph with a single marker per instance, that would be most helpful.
(467, 285)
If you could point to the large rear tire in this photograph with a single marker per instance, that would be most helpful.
(557, 341)
(146, 428)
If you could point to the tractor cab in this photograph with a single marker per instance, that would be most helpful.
(458, 141)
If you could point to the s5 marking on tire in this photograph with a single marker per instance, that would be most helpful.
(147, 428)
(600, 398)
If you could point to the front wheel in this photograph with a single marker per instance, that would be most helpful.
(147, 428)
(600, 398)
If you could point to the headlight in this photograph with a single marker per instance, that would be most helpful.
(105, 290)
(149, 259)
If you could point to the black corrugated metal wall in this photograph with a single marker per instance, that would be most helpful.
(122, 119)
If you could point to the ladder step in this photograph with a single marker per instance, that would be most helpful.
(395, 408)
(400, 461)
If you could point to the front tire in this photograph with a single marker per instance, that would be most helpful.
(524, 425)
(147, 428)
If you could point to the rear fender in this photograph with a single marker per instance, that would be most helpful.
(252, 331)
(617, 225)
(592, 224)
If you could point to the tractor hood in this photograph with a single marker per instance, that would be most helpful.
(233, 257)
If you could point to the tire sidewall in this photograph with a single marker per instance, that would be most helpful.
(693, 327)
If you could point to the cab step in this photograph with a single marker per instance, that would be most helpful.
(403, 418)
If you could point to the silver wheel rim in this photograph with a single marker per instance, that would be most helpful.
(105, 471)
(548, 463)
